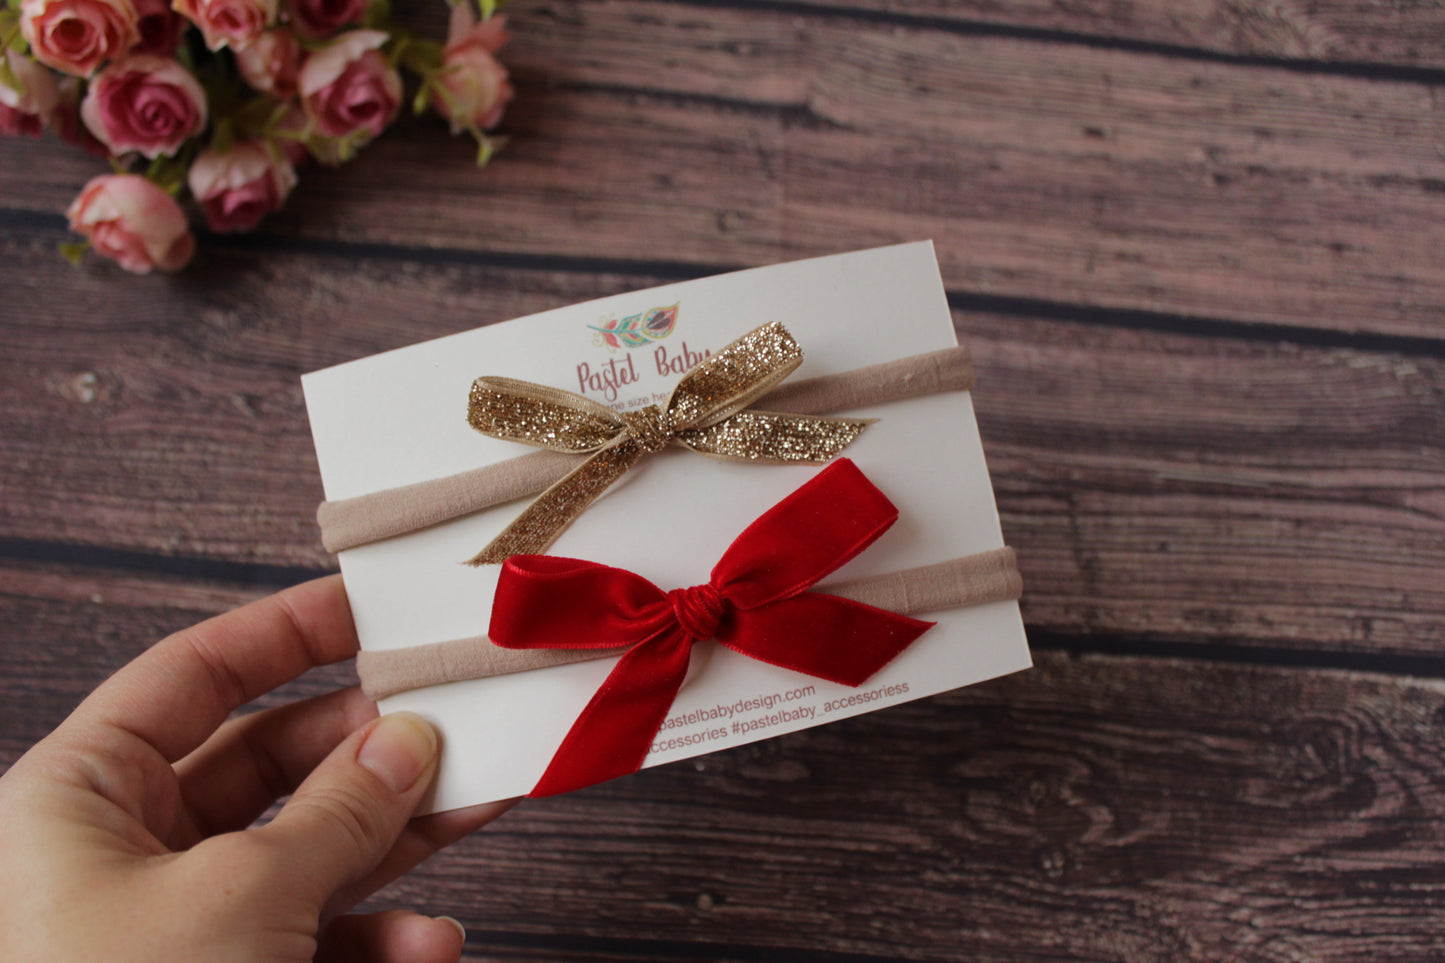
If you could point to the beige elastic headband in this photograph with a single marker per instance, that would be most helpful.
(991, 576)
(350, 522)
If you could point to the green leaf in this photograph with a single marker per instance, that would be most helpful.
(422, 56)
(396, 49)
(447, 98)
(378, 15)
(168, 172)
(252, 114)
(10, 38)
(223, 135)
(335, 151)
(279, 113)
(8, 77)
(485, 150)
(277, 155)
(74, 252)
(422, 98)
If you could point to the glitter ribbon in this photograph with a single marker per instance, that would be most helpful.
(705, 414)
(363, 519)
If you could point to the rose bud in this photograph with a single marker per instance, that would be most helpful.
(146, 104)
(25, 111)
(229, 23)
(160, 28)
(272, 63)
(348, 89)
(472, 89)
(315, 19)
(238, 188)
(128, 218)
(77, 36)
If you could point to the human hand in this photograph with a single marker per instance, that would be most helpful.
(123, 834)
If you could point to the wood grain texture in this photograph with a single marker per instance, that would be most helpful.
(1305, 463)
(1090, 809)
(1064, 173)
(1155, 485)
(1195, 248)
(1319, 33)
(1402, 34)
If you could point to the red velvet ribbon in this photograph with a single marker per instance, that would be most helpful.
(755, 603)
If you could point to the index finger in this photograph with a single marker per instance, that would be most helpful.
(181, 689)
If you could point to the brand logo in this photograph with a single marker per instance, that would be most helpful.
(636, 330)
(613, 382)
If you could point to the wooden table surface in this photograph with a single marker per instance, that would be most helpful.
(1198, 249)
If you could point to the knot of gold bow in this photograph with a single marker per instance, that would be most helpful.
(704, 413)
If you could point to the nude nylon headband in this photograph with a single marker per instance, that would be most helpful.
(351, 522)
(991, 576)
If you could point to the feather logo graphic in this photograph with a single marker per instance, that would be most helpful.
(636, 330)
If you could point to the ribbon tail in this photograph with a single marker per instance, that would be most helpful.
(543, 521)
(540, 416)
(735, 377)
(612, 735)
(822, 635)
(815, 530)
(768, 437)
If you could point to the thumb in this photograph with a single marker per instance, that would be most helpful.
(348, 813)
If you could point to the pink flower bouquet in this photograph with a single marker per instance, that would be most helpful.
(227, 111)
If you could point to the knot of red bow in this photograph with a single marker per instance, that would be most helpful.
(756, 603)
(699, 610)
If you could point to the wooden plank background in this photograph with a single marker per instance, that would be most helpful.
(1197, 248)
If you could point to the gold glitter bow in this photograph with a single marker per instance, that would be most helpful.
(704, 413)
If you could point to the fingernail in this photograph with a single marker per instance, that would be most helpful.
(457, 923)
(398, 749)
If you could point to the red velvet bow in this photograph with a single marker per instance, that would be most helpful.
(755, 603)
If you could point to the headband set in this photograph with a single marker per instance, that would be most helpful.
(759, 600)
(585, 442)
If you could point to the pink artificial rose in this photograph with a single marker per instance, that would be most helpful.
(348, 89)
(229, 23)
(160, 28)
(238, 188)
(472, 89)
(77, 36)
(25, 111)
(271, 64)
(133, 221)
(146, 104)
(315, 19)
